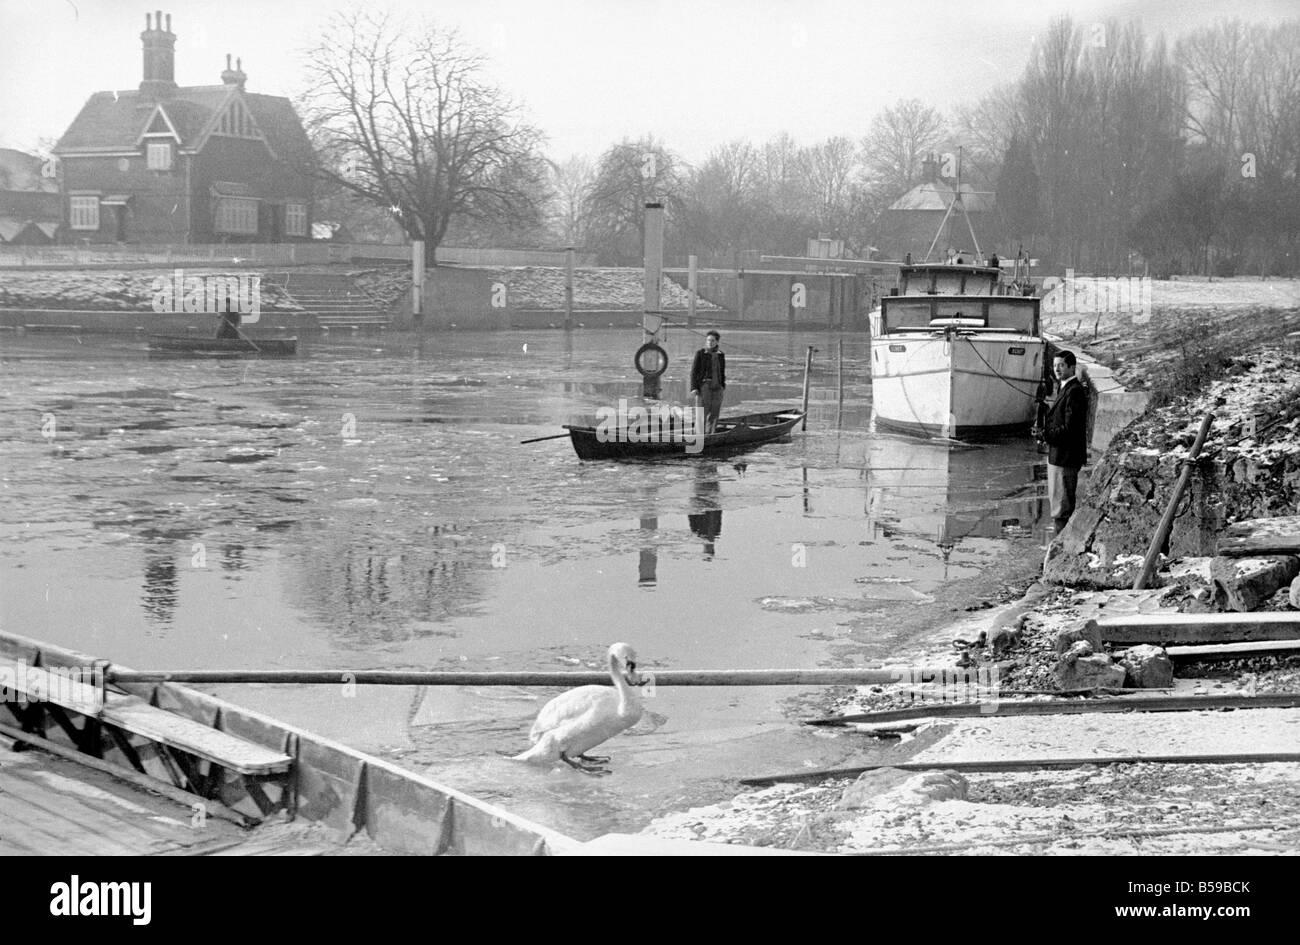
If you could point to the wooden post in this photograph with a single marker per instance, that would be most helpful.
(1167, 520)
(568, 289)
(654, 266)
(692, 286)
(417, 279)
(807, 375)
(840, 370)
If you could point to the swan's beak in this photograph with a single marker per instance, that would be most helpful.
(632, 677)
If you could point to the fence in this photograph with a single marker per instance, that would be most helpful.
(262, 254)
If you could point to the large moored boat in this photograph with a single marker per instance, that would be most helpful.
(956, 351)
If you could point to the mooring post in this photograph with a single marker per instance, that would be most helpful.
(654, 267)
(568, 289)
(417, 279)
(692, 286)
(1167, 520)
(840, 368)
(807, 375)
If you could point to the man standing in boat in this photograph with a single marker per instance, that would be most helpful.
(709, 380)
(1065, 429)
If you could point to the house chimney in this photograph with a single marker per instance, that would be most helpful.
(234, 76)
(159, 56)
(930, 168)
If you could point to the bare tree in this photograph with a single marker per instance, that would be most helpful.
(569, 212)
(630, 175)
(897, 143)
(402, 115)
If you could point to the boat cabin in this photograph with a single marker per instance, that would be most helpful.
(949, 279)
(1000, 313)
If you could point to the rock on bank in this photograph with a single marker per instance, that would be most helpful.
(1249, 468)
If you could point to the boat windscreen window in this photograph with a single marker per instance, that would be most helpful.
(900, 315)
(964, 309)
(1015, 315)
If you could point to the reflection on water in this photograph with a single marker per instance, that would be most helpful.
(368, 505)
(707, 522)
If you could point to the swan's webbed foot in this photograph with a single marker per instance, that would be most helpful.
(595, 759)
(594, 770)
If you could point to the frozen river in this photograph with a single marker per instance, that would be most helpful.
(368, 505)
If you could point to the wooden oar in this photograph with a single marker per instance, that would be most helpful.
(539, 439)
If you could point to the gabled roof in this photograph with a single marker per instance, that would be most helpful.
(938, 195)
(114, 121)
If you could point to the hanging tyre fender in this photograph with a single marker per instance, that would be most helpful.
(651, 360)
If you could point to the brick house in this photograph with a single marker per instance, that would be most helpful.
(912, 221)
(202, 164)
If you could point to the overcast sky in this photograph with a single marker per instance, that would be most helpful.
(694, 73)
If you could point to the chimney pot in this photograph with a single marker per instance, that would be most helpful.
(239, 64)
(169, 22)
(158, 18)
(227, 60)
(148, 21)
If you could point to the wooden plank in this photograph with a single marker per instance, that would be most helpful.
(1230, 651)
(176, 731)
(1262, 536)
(1258, 546)
(1135, 703)
(1185, 629)
(1031, 764)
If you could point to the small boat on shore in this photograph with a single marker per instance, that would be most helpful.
(657, 442)
(182, 346)
(210, 759)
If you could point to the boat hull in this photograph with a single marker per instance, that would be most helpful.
(956, 384)
(734, 434)
(175, 346)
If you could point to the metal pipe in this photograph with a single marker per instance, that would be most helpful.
(708, 677)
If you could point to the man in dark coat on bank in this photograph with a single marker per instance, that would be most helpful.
(1066, 431)
(709, 380)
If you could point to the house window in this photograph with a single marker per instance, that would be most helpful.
(160, 156)
(85, 213)
(236, 215)
(295, 219)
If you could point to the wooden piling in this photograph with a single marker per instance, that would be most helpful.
(1167, 520)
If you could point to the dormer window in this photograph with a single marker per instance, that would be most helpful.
(159, 155)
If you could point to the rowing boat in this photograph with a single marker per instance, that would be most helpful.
(181, 346)
(227, 761)
(732, 434)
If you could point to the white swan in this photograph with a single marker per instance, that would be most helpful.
(576, 721)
